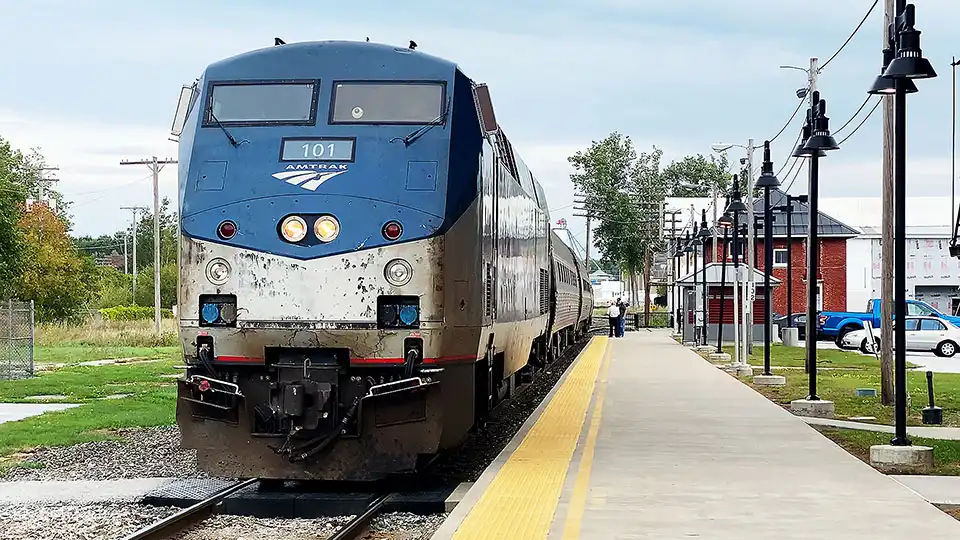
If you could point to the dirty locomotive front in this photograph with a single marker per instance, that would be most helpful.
(366, 265)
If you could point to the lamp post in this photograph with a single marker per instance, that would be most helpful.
(897, 78)
(736, 207)
(767, 181)
(695, 244)
(704, 234)
(820, 139)
(788, 209)
(676, 270)
(725, 222)
(687, 249)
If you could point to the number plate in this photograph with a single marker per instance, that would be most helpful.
(318, 149)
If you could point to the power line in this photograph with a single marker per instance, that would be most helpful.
(862, 105)
(875, 105)
(792, 116)
(790, 185)
(855, 30)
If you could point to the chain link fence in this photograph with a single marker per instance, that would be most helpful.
(16, 339)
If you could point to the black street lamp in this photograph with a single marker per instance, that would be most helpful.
(725, 222)
(694, 244)
(736, 207)
(687, 249)
(767, 181)
(788, 208)
(704, 234)
(675, 271)
(907, 64)
(820, 140)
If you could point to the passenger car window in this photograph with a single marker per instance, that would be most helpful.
(912, 325)
(931, 324)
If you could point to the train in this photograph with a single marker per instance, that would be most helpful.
(367, 267)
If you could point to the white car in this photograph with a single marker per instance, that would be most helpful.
(922, 333)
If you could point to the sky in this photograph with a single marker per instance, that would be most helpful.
(94, 83)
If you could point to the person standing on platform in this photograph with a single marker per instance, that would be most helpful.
(623, 317)
(613, 316)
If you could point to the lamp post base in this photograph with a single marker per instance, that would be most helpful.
(908, 459)
(791, 337)
(706, 348)
(720, 357)
(740, 370)
(690, 344)
(818, 408)
(770, 380)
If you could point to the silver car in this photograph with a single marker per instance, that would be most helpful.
(922, 333)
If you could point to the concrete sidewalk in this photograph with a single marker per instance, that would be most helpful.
(11, 412)
(79, 491)
(684, 450)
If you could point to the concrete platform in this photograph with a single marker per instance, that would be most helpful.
(79, 491)
(644, 439)
(11, 412)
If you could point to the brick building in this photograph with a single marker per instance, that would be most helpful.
(832, 278)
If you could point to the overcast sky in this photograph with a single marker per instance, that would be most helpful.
(95, 82)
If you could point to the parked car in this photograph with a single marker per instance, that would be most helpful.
(836, 324)
(923, 334)
(798, 321)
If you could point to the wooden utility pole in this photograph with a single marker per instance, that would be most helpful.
(886, 246)
(155, 165)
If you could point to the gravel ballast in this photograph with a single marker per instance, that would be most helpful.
(394, 526)
(76, 522)
(140, 453)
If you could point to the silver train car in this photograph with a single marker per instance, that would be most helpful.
(336, 326)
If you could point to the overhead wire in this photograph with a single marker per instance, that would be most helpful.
(862, 122)
(864, 104)
(855, 30)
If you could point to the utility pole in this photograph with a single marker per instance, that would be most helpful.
(587, 249)
(886, 242)
(750, 292)
(155, 165)
(126, 267)
(134, 209)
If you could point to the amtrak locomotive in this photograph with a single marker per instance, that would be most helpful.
(366, 264)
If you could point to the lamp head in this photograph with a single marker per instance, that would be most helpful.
(821, 139)
(767, 178)
(883, 85)
(909, 63)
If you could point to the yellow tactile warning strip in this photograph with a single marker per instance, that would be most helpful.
(523, 496)
(571, 528)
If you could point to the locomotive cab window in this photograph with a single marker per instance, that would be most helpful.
(261, 103)
(387, 103)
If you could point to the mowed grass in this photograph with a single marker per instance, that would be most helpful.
(946, 454)
(149, 388)
(103, 340)
(852, 371)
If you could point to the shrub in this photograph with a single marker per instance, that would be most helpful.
(133, 313)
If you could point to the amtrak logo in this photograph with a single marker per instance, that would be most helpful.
(310, 177)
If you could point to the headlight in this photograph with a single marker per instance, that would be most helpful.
(293, 229)
(218, 271)
(327, 228)
(398, 272)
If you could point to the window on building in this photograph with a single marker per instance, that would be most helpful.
(779, 258)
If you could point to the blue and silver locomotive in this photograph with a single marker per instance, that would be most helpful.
(366, 264)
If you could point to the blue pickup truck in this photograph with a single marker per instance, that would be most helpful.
(834, 324)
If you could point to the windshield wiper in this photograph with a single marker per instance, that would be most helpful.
(225, 132)
(416, 134)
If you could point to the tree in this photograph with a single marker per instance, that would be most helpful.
(114, 288)
(168, 239)
(168, 285)
(53, 274)
(624, 190)
(696, 176)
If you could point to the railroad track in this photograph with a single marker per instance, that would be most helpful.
(188, 517)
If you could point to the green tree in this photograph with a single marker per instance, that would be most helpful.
(168, 239)
(53, 274)
(114, 288)
(168, 285)
(624, 190)
(697, 176)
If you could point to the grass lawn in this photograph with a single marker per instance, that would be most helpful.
(74, 354)
(839, 385)
(150, 395)
(946, 454)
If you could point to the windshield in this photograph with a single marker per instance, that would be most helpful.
(386, 103)
(262, 103)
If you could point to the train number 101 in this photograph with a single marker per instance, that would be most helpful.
(317, 150)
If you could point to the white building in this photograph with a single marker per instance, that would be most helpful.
(932, 275)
